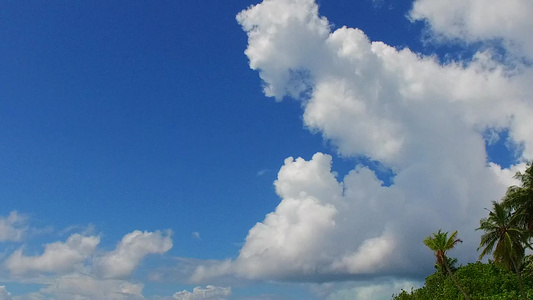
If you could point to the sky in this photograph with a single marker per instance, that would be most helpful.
(276, 149)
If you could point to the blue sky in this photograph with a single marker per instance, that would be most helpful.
(150, 149)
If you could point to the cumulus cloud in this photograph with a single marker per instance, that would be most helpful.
(209, 292)
(321, 228)
(13, 227)
(58, 257)
(423, 119)
(131, 250)
(74, 269)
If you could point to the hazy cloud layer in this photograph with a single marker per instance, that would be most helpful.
(423, 119)
(84, 287)
(4, 294)
(378, 290)
(209, 292)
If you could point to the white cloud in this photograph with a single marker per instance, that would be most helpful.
(301, 221)
(209, 292)
(131, 250)
(369, 98)
(423, 119)
(282, 25)
(321, 228)
(13, 227)
(4, 294)
(84, 287)
(480, 20)
(75, 270)
(58, 257)
(372, 254)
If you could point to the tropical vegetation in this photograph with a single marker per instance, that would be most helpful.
(508, 231)
(441, 243)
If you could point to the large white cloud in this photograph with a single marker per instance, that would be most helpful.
(423, 119)
(324, 229)
(13, 227)
(131, 250)
(58, 257)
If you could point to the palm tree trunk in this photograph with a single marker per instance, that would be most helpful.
(455, 280)
(520, 284)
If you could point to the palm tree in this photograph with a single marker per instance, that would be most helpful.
(440, 243)
(452, 264)
(504, 238)
(520, 198)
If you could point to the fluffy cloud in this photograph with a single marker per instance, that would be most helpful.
(423, 119)
(131, 250)
(371, 99)
(323, 229)
(479, 20)
(58, 257)
(74, 269)
(209, 292)
(12, 227)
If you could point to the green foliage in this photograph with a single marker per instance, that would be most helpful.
(508, 227)
(452, 264)
(520, 198)
(527, 266)
(482, 281)
(503, 236)
(440, 243)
